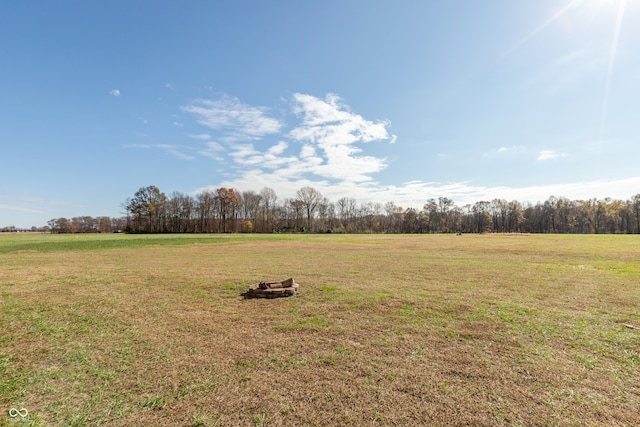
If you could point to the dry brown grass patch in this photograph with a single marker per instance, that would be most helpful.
(391, 330)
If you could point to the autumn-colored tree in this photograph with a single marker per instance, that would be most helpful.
(226, 210)
(147, 210)
(104, 224)
(228, 203)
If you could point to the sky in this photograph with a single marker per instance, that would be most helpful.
(384, 101)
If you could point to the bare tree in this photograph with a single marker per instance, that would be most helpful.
(268, 200)
(635, 205)
(444, 207)
(150, 211)
(206, 208)
(431, 216)
(310, 197)
(250, 201)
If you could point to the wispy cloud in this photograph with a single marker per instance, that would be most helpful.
(239, 121)
(213, 150)
(411, 194)
(18, 208)
(200, 136)
(173, 150)
(272, 160)
(22, 206)
(549, 155)
(114, 92)
(503, 151)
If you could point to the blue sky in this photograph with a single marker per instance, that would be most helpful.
(377, 100)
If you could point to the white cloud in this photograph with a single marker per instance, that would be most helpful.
(307, 151)
(246, 154)
(416, 193)
(503, 151)
(213, 150)
(331, 119)
(616, 188)
(201, 136)
(277, 149)
(239, 121)
(334, 130)
(114, 92)
(549, 155)
(325, 150)
(272, 160)
(328, 136)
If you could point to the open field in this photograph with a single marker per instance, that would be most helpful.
(124, 330)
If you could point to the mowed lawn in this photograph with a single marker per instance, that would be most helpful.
(124, 330)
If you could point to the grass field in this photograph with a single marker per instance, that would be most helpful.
(124, 330)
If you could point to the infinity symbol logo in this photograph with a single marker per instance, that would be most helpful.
(22, 412)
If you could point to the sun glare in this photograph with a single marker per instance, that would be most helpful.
(594, 8)
(544, 25)
(612, 60)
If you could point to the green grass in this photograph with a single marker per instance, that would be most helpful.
(12, 243)
(393, 330)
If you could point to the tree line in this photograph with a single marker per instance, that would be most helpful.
(86, 224)
(227, 210)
